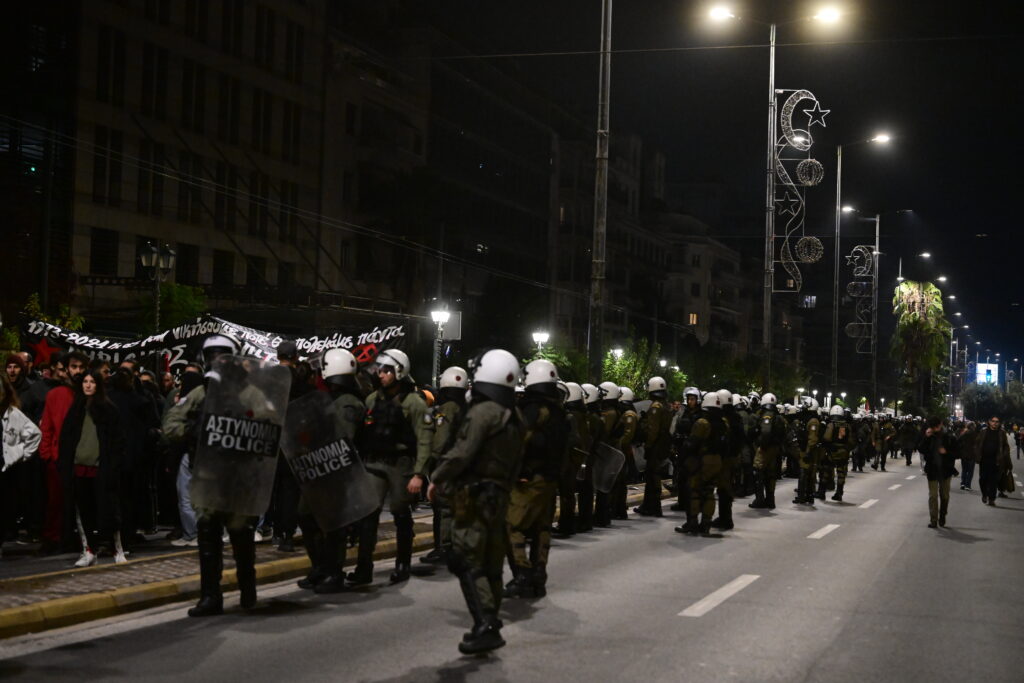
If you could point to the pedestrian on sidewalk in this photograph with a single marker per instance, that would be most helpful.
(992, 453)
(90, 459)
(20, 442)
(938, 450)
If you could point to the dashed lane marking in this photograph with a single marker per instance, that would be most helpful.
(824, 531)
(895, 486)
(867, 503)
(912, 476)
(705, 605)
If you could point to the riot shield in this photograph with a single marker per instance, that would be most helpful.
(640, 457)
(239, 433)
(607, 463)
(334, 483)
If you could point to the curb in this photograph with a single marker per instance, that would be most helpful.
(77, 609)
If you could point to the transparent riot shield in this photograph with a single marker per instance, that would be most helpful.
(334, 483)
(239, 434)
(607, 463)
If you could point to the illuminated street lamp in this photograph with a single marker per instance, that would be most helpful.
(158, 262)
(540, 339)
(617, 352)
(440, 316)
(662, 362)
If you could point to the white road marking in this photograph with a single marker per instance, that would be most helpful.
(912, 476)
(705, 605)
(824, 531)
(895, 486)
(867, 503)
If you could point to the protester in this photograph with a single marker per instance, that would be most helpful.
(992, 453)
(68, 373)
(91, 454)
(20, 442)
(938, 449)
(967, 437)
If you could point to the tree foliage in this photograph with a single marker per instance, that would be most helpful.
(10, 337)
(920, 344)
(178, 304)
(636, 364)
(982, 401)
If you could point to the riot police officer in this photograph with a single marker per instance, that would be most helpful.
(577, 447)
(730, 460)
(594, 425)
(629, 421)
(532, 500)
(684, 459)
(771, 435)
(326, 550)
(612, 429)
(477, 475)
(810, 453)
(396, 435)
(657, 446)
(708, 440)
(446, 415)
(838, 440)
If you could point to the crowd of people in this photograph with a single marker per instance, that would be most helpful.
(97, 456)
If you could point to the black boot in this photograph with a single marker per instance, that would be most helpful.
(363, 573)
(540, 582)
(820, 494)
(838, 495)
(314, 548)
(403, 548)
(759, 497)
(243, 547)
(485, 637)
(521, 585)
(211, 565)
(472, 596)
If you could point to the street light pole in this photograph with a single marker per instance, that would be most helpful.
(769, 212)
(440, 317)
(874, 315)
(835, 271)
(596, 332)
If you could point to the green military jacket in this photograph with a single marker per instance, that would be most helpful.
(348, 411)
(701, 440)
(629, 421)
(445, 418)
(610, 419)
(175, 422)
(657, 439)
(813, 433)
(414, 408)
(489, 448)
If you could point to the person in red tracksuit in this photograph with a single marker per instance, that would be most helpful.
(68, 370)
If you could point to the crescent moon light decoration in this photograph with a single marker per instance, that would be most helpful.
(792, 157)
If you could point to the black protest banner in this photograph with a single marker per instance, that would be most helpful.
(182, 344)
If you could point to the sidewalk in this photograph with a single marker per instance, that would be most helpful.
(30, 604)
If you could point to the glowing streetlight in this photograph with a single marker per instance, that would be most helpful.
(540, 339)
(721, 13)
(440, 316)
(617, 352)
(942, 278)
(828, 15)
(662, 362)
(848, 209)
(881, 139)
(925, 254)
(958, 313)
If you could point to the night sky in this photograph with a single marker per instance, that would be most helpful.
(944, 78)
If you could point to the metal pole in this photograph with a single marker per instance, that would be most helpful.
(596, 333)
(835, 270)
(874, 318)
(437, 355)
(769, 214)
(156, 300)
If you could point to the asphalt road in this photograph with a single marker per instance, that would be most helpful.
(859, 592)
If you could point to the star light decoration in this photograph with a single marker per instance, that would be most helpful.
(862, 260)
(792, 157)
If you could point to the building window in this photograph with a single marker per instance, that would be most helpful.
(189, 192)
(103, 246)
(289, 220)
(291, 130)
(695, 260)
(693, 318)
(159, 11)
(226, 202)
(110, 66)
(154, 81)
(293, 52)
(195, 19)
(223, 268)
(232, 23)
(264, 52)
(259, 209)
(193, 96)
(351, 112)
(694, 289)
(106, 166)
(255, 271)
(262, 118)
(186, 268)
(150, 198)
(228, 109)
(809, 301)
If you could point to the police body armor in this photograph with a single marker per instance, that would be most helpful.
(385, 428)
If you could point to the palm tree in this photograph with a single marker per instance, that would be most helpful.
(921, 342)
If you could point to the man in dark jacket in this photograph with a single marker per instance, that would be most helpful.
(992, 453)
(938, 449)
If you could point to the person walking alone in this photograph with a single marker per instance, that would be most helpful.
(938, 449)
(992, 453)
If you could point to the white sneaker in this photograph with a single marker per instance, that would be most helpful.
(258, 537)
(185, 543)
(86, 559)
(120, 558)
